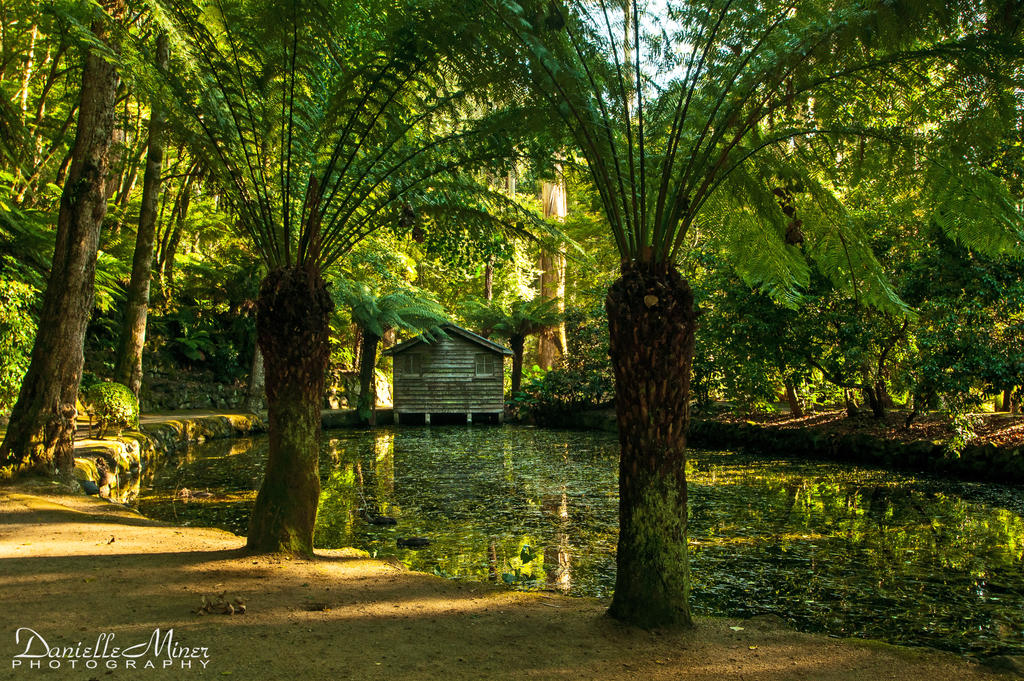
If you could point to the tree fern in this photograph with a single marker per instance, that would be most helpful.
(707, 88)
(313, 132)
(723, 120)
(316, 120)
(404, 309)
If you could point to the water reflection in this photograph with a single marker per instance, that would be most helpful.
(828, 547)
(557, 560)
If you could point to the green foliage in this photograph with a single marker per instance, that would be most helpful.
(583, 378)
(463, 223)
(112, 405)
(969, 336)
(320, 119)
(518, 319)
(963, 425)
(697, 122)
(17, 333)
(25, 240)
(407, 309)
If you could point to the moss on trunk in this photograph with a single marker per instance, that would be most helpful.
(292, 327)
(652, 320)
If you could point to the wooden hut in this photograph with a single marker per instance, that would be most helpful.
(453, 377)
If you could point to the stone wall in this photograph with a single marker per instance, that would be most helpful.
(113, 467)
(166, 390)
(172, 392)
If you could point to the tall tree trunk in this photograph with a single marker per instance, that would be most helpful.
(137, 150)
(489, 279)
(551, 340)
(133, 329)
(852, 410)
(1008, 400)
(292, 324)
(29, 63)
(172, 236)
(367, 406)
(874, 400)
(651, 323)
(794, 401)
(256, 394)
(517, 343)
(117, 150)
(42, 428)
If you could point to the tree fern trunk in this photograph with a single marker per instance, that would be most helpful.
(367, 378)
(42, 428)
(292, 317)
(517, 344)
(651, 321)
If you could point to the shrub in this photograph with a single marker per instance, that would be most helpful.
(112, 405)
(583, 378)
(17, 333)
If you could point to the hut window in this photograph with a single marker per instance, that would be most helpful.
(486, 365)
(410, 364)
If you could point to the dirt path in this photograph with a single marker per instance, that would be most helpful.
(74, 568)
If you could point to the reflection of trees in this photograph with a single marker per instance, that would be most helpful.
(339, 499)
(557, 561)
(883, 556)
(825, 546)
(384, 472)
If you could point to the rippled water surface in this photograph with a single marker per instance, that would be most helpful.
(833, 548)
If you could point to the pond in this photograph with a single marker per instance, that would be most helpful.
(828, 547)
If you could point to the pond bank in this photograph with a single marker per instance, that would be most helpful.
(113, 467)
(989, 462)
(79, 568)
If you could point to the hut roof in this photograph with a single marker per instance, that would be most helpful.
(451, 329)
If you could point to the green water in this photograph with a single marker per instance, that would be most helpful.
(828, 547)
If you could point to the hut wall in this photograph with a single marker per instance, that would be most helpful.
(448, 380)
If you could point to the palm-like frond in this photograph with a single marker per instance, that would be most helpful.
(405, 309)
(680, 115)
(467, 204)
(521, 318)
(316, 117)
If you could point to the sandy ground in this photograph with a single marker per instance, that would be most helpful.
(74, 569)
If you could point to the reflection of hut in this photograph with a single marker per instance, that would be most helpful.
(455, 377)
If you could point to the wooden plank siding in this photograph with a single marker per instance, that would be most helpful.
(448, 382)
